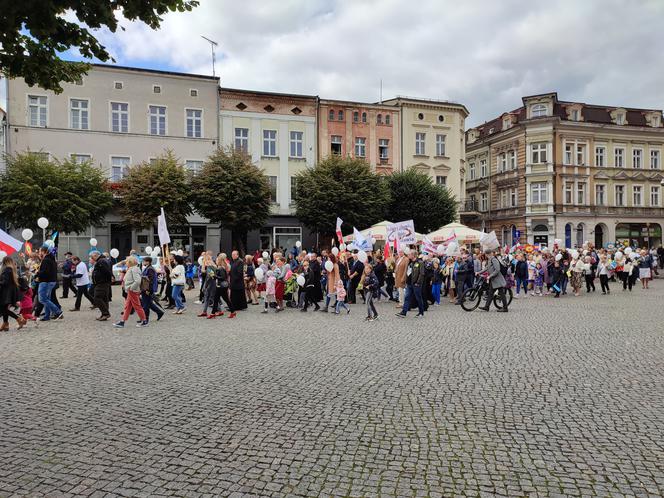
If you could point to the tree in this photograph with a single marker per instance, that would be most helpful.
(33, 34)
(152, 185)
(343, 187)
(72, 196)
(233, 192)
(414, 196)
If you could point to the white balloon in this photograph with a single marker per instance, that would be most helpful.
(200, 260)
(114, 253)
(559, 257)
(575, 254)
(156, 250)
(342, 247)
(628, 250)
(148, 250)
(335, 251)
(266, 254)
(298, 244)
(27, 234)
(179, 252)
(300, 280)
(373, 241)
(155, 254)
(618, 255)
(362, 256)
(260, 275)
(93, 242)
(42, 222)
(329, 266)
(3, 254)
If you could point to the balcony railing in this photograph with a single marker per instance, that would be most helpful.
(469, 206)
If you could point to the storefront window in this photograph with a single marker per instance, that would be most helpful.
(286, 237)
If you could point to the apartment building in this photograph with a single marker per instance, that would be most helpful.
(582, 172)
(365, 131)
(118, 117)
(278, 132)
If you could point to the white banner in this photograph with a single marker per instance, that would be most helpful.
(162, 229)
(404, 232)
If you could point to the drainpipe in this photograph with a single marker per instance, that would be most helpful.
(218, 115)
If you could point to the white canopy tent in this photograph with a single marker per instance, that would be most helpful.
(463, 234)
(378, 232)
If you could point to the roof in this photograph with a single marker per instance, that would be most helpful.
(405, 98)
(156, 71)
(271, 94)
(352, 103)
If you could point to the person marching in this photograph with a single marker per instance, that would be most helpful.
(497, 282)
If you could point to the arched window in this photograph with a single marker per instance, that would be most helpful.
(387, 119)
(331, 117)
(514, 234)
(379, 119)
(341, 115)
(356, 116)
(579, 235)
(364, 117)
(507, 240)
(538, 111)
(568, 235)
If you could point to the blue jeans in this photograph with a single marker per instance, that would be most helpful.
(521, 283)
(44, 292)
(435, 290)
(340, 304)
(177, 296)
(417, 291)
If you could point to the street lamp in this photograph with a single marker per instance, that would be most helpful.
(43, 223)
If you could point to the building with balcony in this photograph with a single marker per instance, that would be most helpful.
(117, 117)
(568, 170)
(278, 132)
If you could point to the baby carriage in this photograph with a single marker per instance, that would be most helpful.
(291, 291)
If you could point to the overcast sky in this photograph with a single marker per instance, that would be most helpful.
(486, 54)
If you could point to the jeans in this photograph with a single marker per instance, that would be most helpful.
(521, 283)
(410, 291)
(563, 283)
(339, 305)
(604, 280)
(82, 290)
(45, 289)
(328, 299)
(148, 303)
(371, 309)
(67, 283)
(435, 292)
(177, 296)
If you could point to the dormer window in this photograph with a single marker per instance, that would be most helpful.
(574, 115)
(507, 123)
(491, 130)
(538, 111)
(620, 119)
(654, 122)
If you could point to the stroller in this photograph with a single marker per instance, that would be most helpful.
(291, 291)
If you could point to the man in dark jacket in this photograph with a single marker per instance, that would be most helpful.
(355, 276)
(414, 282)
(48, 279)
(238, 294)
(147, 293)
(102, 275)
(68, 275)
(496, 282)
(317, 270)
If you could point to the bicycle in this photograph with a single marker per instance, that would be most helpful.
(472, 297)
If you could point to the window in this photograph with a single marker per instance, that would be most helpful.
(293, 188)
(37, 110)
(379, 119)
(574, 114)
(441, 180)
(356, 116)
(471, 171)
(538, 111)
(654, 196)
(619, 157)
(193, 166)
(270, 143)
(420, 116)
(600, 153)
(538, 193)
(341, 115)
(654, 159)
(119, 167)
(118, 85)
(336, 145)
(568, 154)
(440, 145)
(420, 139)
(81, 158)
(387, 119)
(157, 120)
(194, 123)
(637, 156)
(503, 198)
(156, 89)
(242, 139)
(620, 119)
(272, 180)
(507, 123)
(79, 114)
(513, 159)
(331, 116)
(580, 154)
(620, 195)
(655, 122)
(513, 197)
(193, 92)
(296, 140)
(119, 117)
(383, 148)
(538, 153)
(600, 195)
(502, 162)
(569, 192)
(364, 117)
(360, 147)
(637, 196)
(484, 202)
(581, 193)
(482, 168)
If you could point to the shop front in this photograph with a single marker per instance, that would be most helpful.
(639, 234)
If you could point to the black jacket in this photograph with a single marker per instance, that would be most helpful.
(101, 272)
(418, 272)
(237, 275)
(380, 269)
(8, 289)
(48, 269)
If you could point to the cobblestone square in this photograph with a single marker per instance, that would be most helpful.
(559, 397)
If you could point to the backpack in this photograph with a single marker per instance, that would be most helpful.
(503, 268)
(146, 285)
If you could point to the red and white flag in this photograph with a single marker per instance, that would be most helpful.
(339, 234)
(429, 246)
(450, 238)
(9, 244)
(386, 252)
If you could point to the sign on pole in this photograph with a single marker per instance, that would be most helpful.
(162, 229)
(404, 232)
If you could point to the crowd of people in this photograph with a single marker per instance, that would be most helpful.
(331, 281)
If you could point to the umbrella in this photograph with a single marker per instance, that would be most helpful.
(463, 234)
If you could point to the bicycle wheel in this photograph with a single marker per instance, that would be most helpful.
(470, 299)
(508, 295)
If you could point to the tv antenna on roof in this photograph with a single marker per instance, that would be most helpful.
(212, 45)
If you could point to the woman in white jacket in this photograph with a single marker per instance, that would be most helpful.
(132, 285)
(178, 280)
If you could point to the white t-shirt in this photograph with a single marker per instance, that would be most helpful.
(82, 269)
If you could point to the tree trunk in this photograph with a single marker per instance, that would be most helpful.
(239, 241)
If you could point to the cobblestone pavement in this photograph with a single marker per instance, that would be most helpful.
(559, 397)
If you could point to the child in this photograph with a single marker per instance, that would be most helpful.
(341, 298)
(532, 274)
(370, 286)
(25, 294)
(270, 291)
(589, 273)
(556, 278)
(209, 291)
(538, 282)
(436, 281)
(189, 273)
(603, 272)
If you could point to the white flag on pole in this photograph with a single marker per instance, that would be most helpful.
(162, 229)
